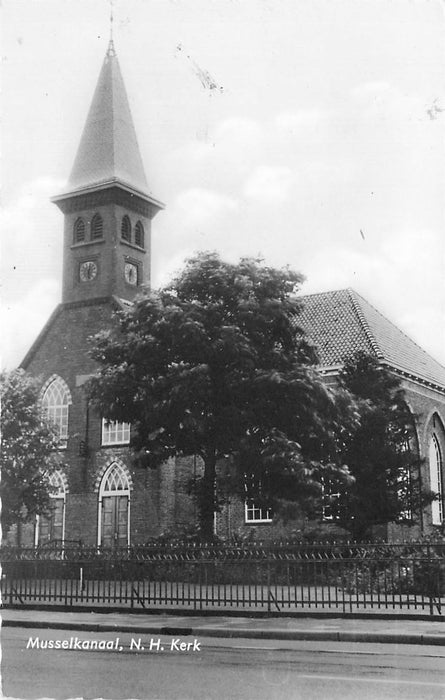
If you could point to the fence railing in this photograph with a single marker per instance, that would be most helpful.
(282, 578)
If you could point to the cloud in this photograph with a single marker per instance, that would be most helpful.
(269, 183)
(22, 320)
(238, 129)
(371, 88)
(198, 206)
(32, 233)
(300, 119)
(31, 265)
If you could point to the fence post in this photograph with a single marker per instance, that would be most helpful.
(268, 587)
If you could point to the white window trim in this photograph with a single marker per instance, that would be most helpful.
(120, 492)
(251, 506)
(106, 422)
(436, 476)
(61, 494)
(62, 435)
(324, 502)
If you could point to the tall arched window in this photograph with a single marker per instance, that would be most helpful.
(436, 479)
(114, 507)
(51, 527)
(55, 403)
(139, 235)
(126, 229)
(79, 231)
(97, 227)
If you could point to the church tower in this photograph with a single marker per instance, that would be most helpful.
(107, 206)
(102, 497)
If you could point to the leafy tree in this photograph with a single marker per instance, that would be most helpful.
(27, 451)
(215, 365)
(381, 454)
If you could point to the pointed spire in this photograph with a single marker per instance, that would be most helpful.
(108, 150)
(111, 50)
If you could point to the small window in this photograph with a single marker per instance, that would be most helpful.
(97, 227)
(330, 500)
(115, 433)
(139, 235)
(404, 484)
(126, 229)
(256, 513)
(79, 231)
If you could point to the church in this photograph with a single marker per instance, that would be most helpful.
(100, 497)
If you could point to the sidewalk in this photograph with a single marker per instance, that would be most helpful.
(388, 631)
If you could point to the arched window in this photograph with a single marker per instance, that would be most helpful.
(97, 227)
(126, 229)
(51, 527)
(139, 235)
(114, 507)
(55, 402)
(436, 479)
(79, 231)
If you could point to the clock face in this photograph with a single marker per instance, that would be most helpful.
(87, 271)
(131, 273)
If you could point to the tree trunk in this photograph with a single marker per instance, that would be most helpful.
(207, 500)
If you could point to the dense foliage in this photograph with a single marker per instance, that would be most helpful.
(382, 453)
(215, 365)
(27, 451)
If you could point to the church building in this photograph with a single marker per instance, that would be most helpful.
(100, 497)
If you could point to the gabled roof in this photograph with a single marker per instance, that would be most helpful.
(108, 150)
(340, 323)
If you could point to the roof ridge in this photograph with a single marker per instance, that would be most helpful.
(364, 323)
(319, 294)
(398, 329)
(112, 58)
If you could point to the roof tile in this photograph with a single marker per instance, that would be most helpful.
(342, 322)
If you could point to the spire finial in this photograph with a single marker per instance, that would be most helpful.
(111, 51)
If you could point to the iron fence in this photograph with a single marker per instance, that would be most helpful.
(274, 578)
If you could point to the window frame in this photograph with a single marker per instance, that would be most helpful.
(79, 225)
(265, 513)
(95, 221)
(255, 514)
(57, 414)
(139, 231)
(124, 430)
(115, 466)
(329, 497)
(126, 229)
(436, 479)
(57, 481)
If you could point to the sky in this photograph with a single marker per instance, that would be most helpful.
(307, 132)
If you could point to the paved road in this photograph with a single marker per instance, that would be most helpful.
(215, 669)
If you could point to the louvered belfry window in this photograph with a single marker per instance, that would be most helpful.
(79, 231)
(97, 227)
(126, 229)
(139, 235)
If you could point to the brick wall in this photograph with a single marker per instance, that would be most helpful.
(160, 499)
(63, 351)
